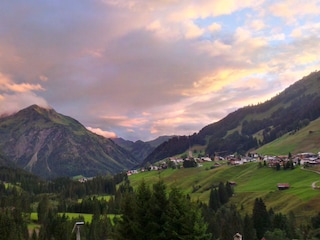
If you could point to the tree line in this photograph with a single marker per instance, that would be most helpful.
(147, 212)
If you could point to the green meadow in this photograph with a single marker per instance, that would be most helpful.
(86, 216)
(251, 182)
(305, 140)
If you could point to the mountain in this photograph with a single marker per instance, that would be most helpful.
(139, 149)
(251, 127)
(50, 144)
(5, 162)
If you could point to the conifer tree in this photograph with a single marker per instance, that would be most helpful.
(95, 226)
(229, 189)
(184, 219)
(127, 226)
(292, 229)
(157, 209)
(230, 222)
(260, 217)
(213, 223)
(142, 210)
(223, 195)
(43, 209)
(214, 200)
(249, 232)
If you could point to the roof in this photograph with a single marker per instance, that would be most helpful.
(283, 185)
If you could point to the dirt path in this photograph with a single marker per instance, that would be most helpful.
(314, 184)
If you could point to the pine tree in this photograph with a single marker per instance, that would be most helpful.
(213, 223)
(214, 200)
(158, 207)
(127, 226)
(229, 189)
(184, 218)
(248, 229)
(142, 211)
(95, 227)
(223, 195)
(43, 209)
(292, 229)
(230, 222)
(260, 218)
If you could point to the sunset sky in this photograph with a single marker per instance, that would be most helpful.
(139, 69)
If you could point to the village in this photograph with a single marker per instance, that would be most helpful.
(306, 159)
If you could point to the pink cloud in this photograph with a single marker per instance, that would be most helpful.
(103, 133)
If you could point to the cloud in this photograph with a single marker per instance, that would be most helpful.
(15, 96)
(124, 121)
(214, 27)
(292, 10)
(101, 132)
(146, 68)
(11, 103)
(6, 84)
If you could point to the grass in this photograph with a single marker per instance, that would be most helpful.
(99, 197)
(86, 216)
(252, 182)
(306, 139)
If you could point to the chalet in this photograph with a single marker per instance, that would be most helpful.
(206, 159)
(248, 159)
(83, 180)
(237, 236)
(218, 158)
(176, 160)
(232, 183)
(130, 172)
(283, 186)
(236, 161)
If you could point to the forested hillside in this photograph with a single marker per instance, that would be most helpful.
(253, 126)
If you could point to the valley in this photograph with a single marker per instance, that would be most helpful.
(55, 172)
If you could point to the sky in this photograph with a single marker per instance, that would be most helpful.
(141, 69)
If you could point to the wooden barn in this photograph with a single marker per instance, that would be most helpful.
(283, 186)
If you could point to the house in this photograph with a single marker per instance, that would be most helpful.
(283, 186)
(237, 236)
(232, 183)
(236, 161)
(83, 180)
(206, 159)
(130, 172)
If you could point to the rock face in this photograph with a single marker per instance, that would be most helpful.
(50, 145)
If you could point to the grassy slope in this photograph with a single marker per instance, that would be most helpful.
(305, 140)
(252, 182)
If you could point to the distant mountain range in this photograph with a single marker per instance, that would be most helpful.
(139, 149)
(50, 144)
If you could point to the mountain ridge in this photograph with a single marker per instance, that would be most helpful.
(140, 149)
(250, 127)
(50, 144)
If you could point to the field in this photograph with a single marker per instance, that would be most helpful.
(252, 182)
(305, 140)
(86, 216)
